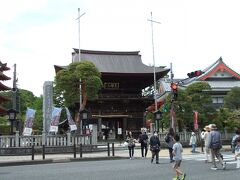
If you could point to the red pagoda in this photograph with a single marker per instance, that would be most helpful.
(3, 77)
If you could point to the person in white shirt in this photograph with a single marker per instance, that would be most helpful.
(237, 152)
(177, 156)
(193, 141)
(207, 151)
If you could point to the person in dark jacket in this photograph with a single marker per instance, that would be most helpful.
(169, 140)
(155, 147)
(143, 140)
(215, 144)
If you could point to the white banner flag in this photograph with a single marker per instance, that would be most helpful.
(56, 112)
(71, 123)
(30, 115)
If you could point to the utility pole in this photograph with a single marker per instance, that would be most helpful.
(14, 89)
(79, 59)
(172, 111)
(154, 70)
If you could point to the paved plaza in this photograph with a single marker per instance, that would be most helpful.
(121, 169)
(120, 152)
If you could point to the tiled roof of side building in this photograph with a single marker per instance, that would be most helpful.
(223, 84)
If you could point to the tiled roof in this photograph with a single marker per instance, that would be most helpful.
(223, 84)
(4, 77)
(3, 87)
(116, 62)
(3, 67)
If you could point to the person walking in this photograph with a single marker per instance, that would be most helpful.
(237, 152)
(207, 151)
(234, 142)
(143, 140)
(202, 139)
(193, 141)
(177, 155)
(155, 147)
(131, 144)
(215, 144)
(169, 140)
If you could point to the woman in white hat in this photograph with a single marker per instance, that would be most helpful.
(207, 151)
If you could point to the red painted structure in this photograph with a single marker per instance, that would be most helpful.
(3, 77)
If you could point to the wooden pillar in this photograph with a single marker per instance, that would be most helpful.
(124, 127)
(100, 128)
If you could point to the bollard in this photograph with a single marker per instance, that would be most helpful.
(113, 152)
(74, 151)
(43, 151)
(108, 149)
(32, 152)
(80, 149)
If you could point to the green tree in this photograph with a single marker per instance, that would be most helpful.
(232, 99)
(222, 120)
(67, 81)
(233, 120)
(26, 99)
(199, 99)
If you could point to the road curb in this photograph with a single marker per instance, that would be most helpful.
(19, 163)
(49, 161)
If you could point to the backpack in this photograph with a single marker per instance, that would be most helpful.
(215, 140)
(167, 138)
(234, 140)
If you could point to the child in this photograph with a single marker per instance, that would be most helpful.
(237, 152)
(177, 156)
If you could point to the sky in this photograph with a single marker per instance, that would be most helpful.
(192, 34)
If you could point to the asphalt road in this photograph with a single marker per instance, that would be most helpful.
(124, 169)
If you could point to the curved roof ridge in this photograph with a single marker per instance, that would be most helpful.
(219, 64)
(84, 51)
(212, 66)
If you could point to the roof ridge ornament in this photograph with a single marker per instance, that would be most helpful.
(220, 59)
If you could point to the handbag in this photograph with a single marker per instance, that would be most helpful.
(155, 148)
(125, 143)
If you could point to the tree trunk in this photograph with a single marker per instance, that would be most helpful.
(84, 102)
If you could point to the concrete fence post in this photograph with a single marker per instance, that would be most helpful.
(17, 139)
(68, 139)
(43, 138)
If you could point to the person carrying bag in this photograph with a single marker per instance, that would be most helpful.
(155, 147)
(131, 144)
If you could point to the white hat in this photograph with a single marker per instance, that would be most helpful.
(213, 126)
(207, 128)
